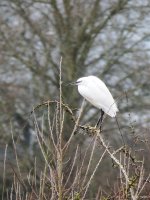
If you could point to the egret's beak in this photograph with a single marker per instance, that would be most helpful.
(72, 83)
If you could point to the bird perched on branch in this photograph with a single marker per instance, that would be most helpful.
(96, 92)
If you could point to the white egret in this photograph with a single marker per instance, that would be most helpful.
(96, 92)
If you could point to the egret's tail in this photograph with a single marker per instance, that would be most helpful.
(112, 110)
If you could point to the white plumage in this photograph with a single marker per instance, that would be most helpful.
(95, 91)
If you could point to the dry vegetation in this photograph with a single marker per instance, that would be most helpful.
(55, 152)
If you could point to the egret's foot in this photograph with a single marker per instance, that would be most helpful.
(90, 130)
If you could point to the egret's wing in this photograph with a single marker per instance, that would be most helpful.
(101, 85)
(106, 93)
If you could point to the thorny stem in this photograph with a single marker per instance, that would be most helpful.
(119, 164)
(59, 168)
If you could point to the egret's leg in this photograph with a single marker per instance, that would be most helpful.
(100, 120)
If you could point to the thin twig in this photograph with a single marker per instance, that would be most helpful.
(4, 171)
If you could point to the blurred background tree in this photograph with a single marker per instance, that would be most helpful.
(109, 39)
